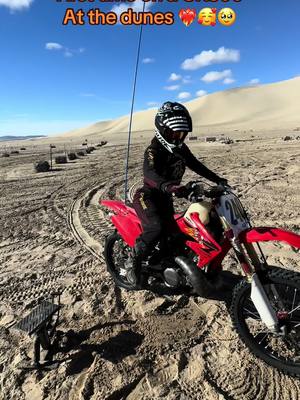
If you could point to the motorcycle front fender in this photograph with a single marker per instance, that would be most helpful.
(269, 234)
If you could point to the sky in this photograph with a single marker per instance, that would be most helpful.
(54, 78)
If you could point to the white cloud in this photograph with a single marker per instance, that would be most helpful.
(228, 81)
(201, 93)
(214, 76)
(184, 95)
(187, 79)
(136, 6)
(67, 52)
(172, 87)
(16, 4)
(174, 77)
(148, 60)
(209, 57)
(53, 46)
(254, 82)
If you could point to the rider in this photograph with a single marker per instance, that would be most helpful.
(164, 165)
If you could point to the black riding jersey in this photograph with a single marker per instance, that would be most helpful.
(162, 168)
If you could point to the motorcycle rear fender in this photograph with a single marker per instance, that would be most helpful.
(128, 229)
(268, 234)
(126, 221)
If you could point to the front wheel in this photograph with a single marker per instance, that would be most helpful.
(117, 256)
(279, 349)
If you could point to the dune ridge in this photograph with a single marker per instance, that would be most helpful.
(269, 106)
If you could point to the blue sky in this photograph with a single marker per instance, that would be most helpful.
(54, 78)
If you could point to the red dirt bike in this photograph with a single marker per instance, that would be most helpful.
(265, 304)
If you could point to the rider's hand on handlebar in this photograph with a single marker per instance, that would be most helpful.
(179, 191)
(223, 182)
(195, 190)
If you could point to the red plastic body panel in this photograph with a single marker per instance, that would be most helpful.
(268, 234)
(128, 229)
(126, 221)
(208, 250)
(205, 246)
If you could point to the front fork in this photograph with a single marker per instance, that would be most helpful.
(258, 294)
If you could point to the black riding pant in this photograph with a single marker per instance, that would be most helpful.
(155, 210)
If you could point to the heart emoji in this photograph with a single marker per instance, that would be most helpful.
(187, 16)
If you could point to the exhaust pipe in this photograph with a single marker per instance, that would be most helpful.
(196, 277)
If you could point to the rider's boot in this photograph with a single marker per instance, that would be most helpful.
(140, 254)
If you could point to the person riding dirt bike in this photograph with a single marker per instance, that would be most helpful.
(165, 161)
(263, 301)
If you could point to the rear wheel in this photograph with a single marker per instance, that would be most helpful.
(281, 349)
(117, 256)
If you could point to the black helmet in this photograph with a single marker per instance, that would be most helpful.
(173, 122)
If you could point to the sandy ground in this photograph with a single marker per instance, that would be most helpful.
(130, 345)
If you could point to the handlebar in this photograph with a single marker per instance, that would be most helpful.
(197, 192)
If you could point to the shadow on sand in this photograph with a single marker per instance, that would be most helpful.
(80, 355)
(225, 279)
(114, 349)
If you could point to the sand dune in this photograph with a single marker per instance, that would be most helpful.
(270, 106)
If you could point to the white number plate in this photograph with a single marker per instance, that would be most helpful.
(231, 208)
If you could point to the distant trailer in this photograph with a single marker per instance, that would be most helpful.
(191, 138)
(210, 139)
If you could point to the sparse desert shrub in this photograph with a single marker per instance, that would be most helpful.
(61, 160)
(103, 143)
(23, 148)
(42, 166)
(287, 138)
(81, 153)
(72, 156)
(84, 144)
(52, 146)
(92, 148)
(14, 152)
(99, 145)
(5, 154)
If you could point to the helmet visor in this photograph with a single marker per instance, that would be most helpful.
(175, 137)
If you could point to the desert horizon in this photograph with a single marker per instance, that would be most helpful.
(261, 108)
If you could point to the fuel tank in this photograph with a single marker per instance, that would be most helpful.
(202, 209)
